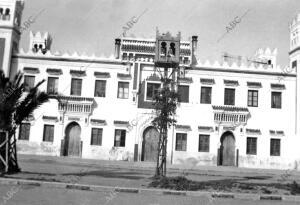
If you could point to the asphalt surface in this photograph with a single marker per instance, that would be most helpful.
(33, 195)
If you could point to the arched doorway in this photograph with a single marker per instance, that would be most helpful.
(227, 149)
(150, 144)
(72, 144)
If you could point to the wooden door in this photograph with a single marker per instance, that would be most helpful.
(150, 144)
(228, 150)
(73, 140)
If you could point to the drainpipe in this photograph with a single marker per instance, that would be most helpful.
(172, 145)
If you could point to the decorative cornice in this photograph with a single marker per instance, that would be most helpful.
(31, 70)
(75, 99)
(98, 122)
(185, 80)
(231, 82)
(205, 129)
(294, 50)
(254, 84)
(277, 86)
(183, 127)
(253, 131)
(277, 132)
(119, 122)
(54, 71)
(207, 81)
(102, 74)
(50, 118)
(230, 108)
(78, 73)
(124, 76)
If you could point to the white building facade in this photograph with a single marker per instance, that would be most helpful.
(243, 112)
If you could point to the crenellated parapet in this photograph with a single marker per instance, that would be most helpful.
(257, 63)
(70, 56)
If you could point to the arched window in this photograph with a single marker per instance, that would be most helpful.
(41, 46)
(163, 49)
(35, 48)
(1, 11)
(7, 15)
(7, 11)
(172, 49)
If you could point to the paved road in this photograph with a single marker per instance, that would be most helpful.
(32, 195)
(139, 174)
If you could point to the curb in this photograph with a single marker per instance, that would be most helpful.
(98, 188)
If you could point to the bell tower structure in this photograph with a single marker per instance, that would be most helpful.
(10, 21)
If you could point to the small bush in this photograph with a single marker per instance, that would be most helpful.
(294, 188)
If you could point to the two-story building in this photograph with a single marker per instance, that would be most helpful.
(239, 112)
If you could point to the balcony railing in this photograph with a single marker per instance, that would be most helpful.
(230, 115)
(74, 104)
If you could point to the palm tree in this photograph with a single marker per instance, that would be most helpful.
(15, 106)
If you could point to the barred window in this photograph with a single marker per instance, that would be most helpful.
(205, 95)
(24, 131)
(48, 133)
(203, 143)
(181, 139)
(120, 137)
(275, 147)
(251, 145)
(100, 88)
(96, 138)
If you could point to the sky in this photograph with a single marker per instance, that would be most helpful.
(90, 26)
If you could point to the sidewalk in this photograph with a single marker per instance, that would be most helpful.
(138, 174)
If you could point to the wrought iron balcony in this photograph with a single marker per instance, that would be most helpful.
(74, 104)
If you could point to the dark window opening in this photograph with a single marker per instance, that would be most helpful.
(152, 90)
(203, 143)
(276, 100)
(48, 133)
(229, 96)
(24, 131)
(100, 88)
(29, 82)
(52, 86)
(205, 95)
(275, 147)
(252, 98)
(251, 145)
(96, 138)
(183, 92)
(76, 85)
(181, 139)
(120, 137)
(123, 90)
